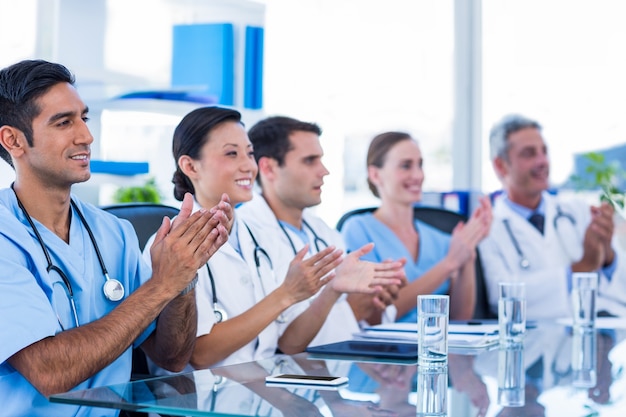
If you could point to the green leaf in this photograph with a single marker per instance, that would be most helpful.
(604, 176)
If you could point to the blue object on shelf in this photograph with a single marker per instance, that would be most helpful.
(119, 168)
(203, 55)
(253, 69)
(171, 95)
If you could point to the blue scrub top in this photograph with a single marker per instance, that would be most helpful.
(361, 229)
(34, 303)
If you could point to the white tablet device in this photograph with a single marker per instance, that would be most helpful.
(307, 379)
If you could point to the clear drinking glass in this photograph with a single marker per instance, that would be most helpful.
(432, 323)
(583, 298)
(512, 311)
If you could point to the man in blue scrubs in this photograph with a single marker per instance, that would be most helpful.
(75, 295)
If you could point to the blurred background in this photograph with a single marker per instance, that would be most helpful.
(443, 70)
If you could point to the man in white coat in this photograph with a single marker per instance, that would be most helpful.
(291, 174)
(542, 239)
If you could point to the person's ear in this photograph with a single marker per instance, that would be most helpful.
(373, 174)
(13, 140)
(188, 166)
(267, 168)
(500, 167)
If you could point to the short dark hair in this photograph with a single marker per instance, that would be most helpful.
(21, 84)
(378, 150)
(500, 132)
(190, 135)
(270, 137)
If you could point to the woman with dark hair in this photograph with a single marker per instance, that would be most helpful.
(240, 300)
(436, 262)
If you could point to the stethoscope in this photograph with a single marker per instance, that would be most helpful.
(317, 241)
(258, 253)
(112, 288)
(524, 263)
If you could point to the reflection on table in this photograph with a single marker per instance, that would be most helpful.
(476, 381)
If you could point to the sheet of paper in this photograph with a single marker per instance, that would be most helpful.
(455, 340)
(601, 322)
(460, 328)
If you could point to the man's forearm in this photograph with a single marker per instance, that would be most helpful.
(59, 363)
(172, 343)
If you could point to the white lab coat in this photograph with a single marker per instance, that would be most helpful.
(238, 289)
(549, 256)
(340, 323)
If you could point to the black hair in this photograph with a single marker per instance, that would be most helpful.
(190, 135)
(21, 84)
(270, 137)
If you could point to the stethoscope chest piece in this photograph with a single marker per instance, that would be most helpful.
(524, 263)
(220, 314)
(113, 289)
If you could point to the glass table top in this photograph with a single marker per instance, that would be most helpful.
(542, 372)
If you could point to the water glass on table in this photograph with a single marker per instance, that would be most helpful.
(432, 324)
(583, 298)
(584, 341)
(511, 311)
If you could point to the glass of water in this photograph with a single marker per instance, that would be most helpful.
(432, 324)
(583, 298)
(512, 311)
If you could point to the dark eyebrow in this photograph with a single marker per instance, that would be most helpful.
(63, 115)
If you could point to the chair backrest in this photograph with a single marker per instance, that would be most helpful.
(145, 217)
(444, 220)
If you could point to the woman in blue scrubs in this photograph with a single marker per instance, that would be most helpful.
(437, 262)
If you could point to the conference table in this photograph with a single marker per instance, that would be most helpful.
(390, 387)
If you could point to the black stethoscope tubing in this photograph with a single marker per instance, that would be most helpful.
(523, 260)
(113, 289)
(220, 313)
(524, 263)
(316, 239)
(562, 214)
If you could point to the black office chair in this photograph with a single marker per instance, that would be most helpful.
(444, 220)
(146, 218)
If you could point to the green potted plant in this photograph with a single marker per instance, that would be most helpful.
(604, 176)
(148, 193)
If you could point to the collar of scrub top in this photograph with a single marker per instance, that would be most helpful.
(318, 242)
(301, 233)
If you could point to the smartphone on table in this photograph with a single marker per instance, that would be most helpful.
(327, 381)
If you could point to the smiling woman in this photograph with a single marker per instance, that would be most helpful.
(437, 262)
(240, 300)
